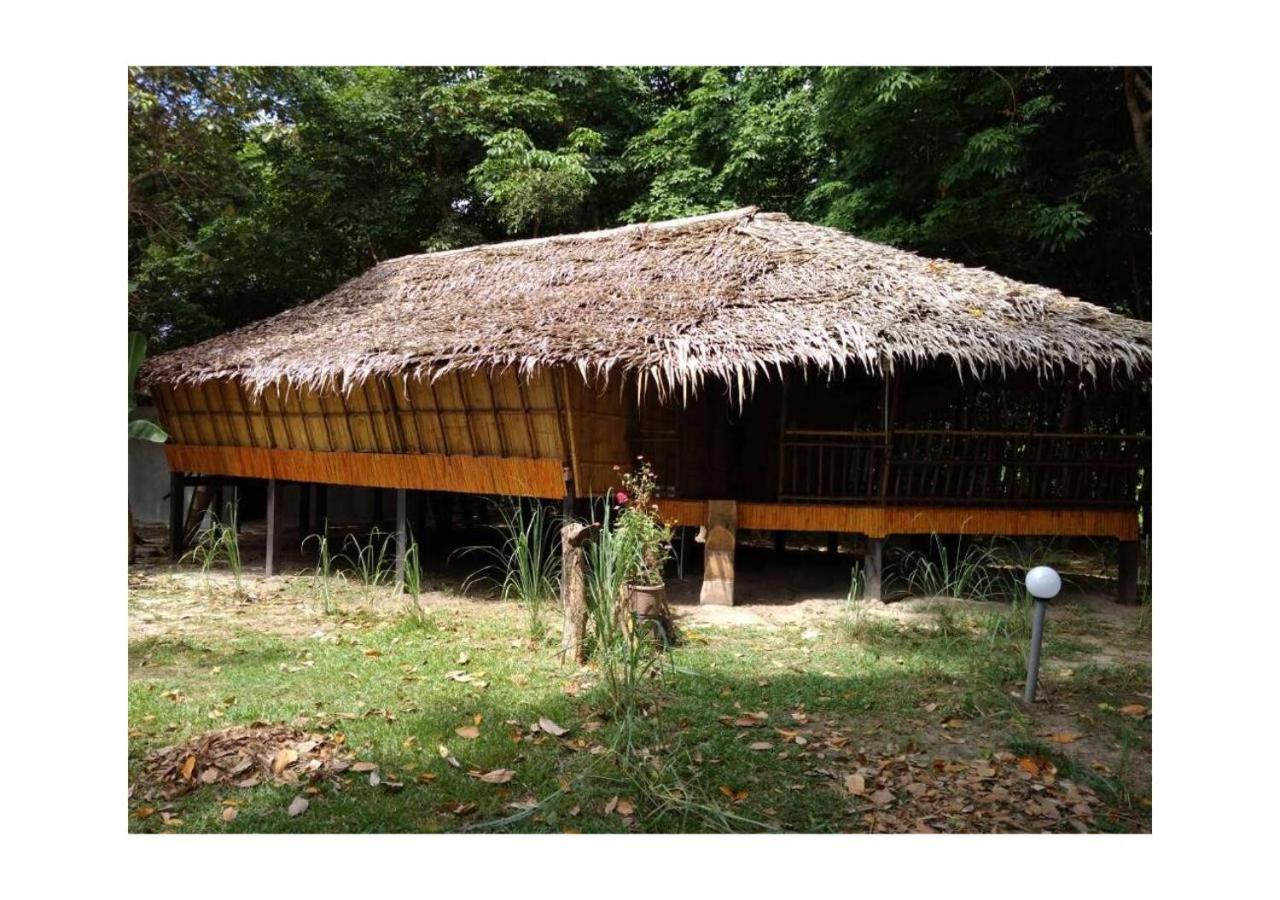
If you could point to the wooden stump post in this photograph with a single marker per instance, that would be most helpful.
(1127, 583)
(873, 570)
(573, 590)
(717, 574)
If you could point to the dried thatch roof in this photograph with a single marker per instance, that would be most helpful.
(733, 295)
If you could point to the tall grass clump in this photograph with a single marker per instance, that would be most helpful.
(219, 542)
(973, 574)
(525, 567)
(373, 560)
(412, 587)
(323, 576)
(628, 655)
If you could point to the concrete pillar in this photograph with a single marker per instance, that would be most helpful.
(873, 570)
(717, 576)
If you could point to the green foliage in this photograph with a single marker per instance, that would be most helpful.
(251, 189)
(527, 185)
(140, 429)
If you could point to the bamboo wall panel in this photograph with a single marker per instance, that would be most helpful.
(602, 420)
(882, 521)
(489, 414)
(512, 476)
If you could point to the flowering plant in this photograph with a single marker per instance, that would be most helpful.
(643, 534)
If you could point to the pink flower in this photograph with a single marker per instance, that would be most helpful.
(621, 498)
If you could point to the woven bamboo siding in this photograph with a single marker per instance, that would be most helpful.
(602, 420)
(513, 476)
(458, 415)
(879, 521)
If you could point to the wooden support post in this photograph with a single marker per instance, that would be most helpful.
(573, 590)
(377, 506)
(569, 493)
(873, 570)
(273, 524)
(833, 544)
(177, 515)
(442, 513)
(305, 523)
(322, 508)
(717, 574)
(402, 534)
(1127, 583)
(779, 543)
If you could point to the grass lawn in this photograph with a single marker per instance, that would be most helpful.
(893, 718)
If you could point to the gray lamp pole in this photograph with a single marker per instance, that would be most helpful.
(1043, 583)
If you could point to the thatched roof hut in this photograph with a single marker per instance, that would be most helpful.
(539, 368)
(733, 295)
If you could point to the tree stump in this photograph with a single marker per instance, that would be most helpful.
(574, 536)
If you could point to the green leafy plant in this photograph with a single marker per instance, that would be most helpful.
(140, 429)
(643, 535)
(526, 565)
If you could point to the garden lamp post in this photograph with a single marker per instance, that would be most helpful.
(1043, 583)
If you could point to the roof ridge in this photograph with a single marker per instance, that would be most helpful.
(742, 212)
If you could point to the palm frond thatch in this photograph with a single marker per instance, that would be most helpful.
(732, 296)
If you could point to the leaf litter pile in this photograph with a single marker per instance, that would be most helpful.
(1006, 793)
(242, 757)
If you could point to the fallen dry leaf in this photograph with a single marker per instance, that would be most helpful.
(298, 806)
(469, 732)
(760, 745)
(855, 784)
(551, 728)
(1133, 709)
(229, 814)
(283, 760)
(497, 776)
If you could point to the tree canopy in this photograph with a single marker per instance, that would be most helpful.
(252, 189)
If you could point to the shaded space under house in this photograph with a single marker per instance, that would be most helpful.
(781, 376)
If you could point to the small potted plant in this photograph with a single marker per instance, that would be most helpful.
(646, 541)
